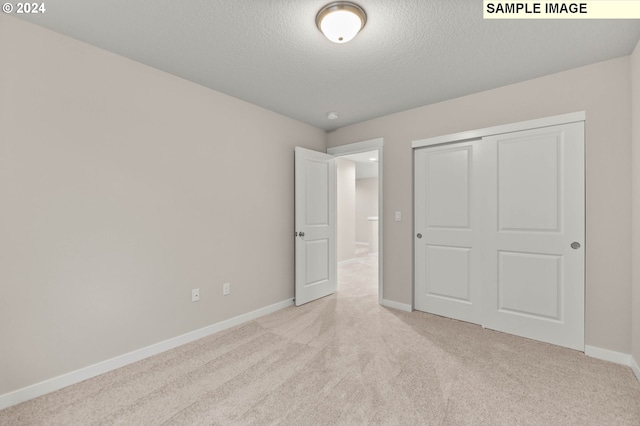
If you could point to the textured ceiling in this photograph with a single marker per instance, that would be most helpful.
(270, 53)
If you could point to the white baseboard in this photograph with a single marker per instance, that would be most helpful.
(613, 356)
(635, 368)
(396, 305)
(608, 355)
(51, 385)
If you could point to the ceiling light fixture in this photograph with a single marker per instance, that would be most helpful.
(340, 21)
(333, 115)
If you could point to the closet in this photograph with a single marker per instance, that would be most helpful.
(500, 228)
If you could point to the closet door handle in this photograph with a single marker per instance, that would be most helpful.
(575, 245)
(419, 235)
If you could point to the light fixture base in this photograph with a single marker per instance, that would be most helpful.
(340, 21)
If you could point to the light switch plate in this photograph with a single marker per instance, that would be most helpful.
(398, 216)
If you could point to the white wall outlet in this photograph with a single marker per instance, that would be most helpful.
(195, 294)
(398, 216)
(226, 289)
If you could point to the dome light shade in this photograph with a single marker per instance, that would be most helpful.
(340, 21)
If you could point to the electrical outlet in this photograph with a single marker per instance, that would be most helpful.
(195, 294)
(226, 289)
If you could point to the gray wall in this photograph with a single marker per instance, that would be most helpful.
(366, 206)
(635, 109)
(346, 209)
(123, 188)
(603, 90)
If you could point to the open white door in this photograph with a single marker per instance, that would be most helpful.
(315, 227)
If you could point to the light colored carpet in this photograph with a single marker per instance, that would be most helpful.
(346, 360)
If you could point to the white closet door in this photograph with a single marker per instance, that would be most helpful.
(500, 230)
(447, 274)
(534, 270)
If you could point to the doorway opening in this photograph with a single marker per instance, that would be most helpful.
(359, 216)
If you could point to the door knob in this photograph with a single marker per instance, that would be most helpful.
(419, 235)
(575, 245)
(301, 234)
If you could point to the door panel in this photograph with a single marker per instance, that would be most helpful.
(315, 216)
(448, 272)
(448, 205)
(446, 259)
(317, 261)
(530, 284)
(529, 195)
(537, 212)
(317, 192)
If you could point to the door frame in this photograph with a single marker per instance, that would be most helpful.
(504, 128)
(356, 148)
